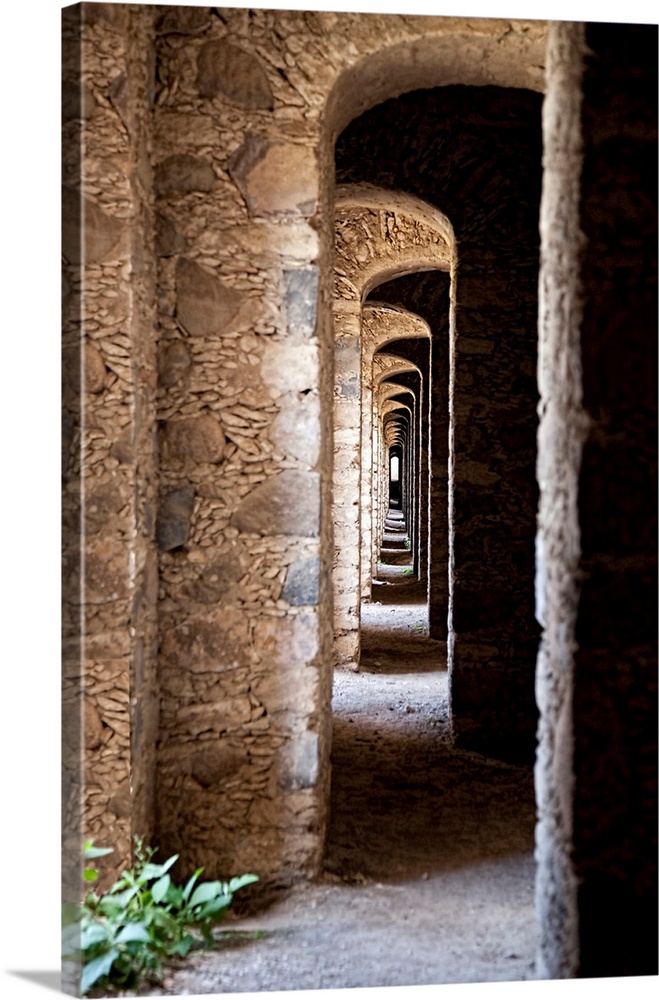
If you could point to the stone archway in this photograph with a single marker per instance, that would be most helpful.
(382, 324)
(379, 235)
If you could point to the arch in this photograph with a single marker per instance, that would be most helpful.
(379, 234)
(478, 52)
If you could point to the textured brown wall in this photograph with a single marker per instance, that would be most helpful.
(237, 156)
(108, 365)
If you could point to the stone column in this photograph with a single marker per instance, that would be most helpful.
(438, 434)
(244, 525)
(367, 478)
(110, 706)
(347, 488)
(596, 773)
(560, 440)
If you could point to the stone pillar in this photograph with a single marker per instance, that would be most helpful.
(438, 435)
(110, 706)
(596, 570)
(367, 478)
(560, 439)
(244, 526)
(615, 680)
(347, 488)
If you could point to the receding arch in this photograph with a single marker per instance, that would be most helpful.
(379, 234)
(451, 50)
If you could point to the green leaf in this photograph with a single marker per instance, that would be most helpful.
(96, 852)
(159, 889)
(191, 881)
(150, 870)
(132, 932)
(94, 934)
(237, 883)
(97, 968)
(205, 891)
(123, 898)
(109, 906)
(213, 906)
(90, 874)
(174, 896)
(183, 946)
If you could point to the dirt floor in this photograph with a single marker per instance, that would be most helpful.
(429, 868)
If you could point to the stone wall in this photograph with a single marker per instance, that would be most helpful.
(110, 716)
(231, 143)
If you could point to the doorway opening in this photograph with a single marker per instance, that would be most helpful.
(445, 418)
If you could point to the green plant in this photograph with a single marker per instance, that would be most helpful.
(408, 571)
(122, 936)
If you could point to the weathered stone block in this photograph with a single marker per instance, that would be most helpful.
(88, 233)
(276, 178)
(296, 430)
(196, 439)
(120, 802)
(225, 70)
(95, 370)
(282, 641)
(302, 584)
(93, 725)
(217, 579)
(173, 526)
(288, 689)
(286, 504)
(204, 304)
(179, 20)
(173, 362)
(168, 240)
(106, 571)
(119, 94)
(201, 646)
(290, 367)
(123, 448)
(212, 766)
(101, 505)
(77, 100)
(116, 15)
(183, 173)
(68, 431)
(301, 300)
(300, 762)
